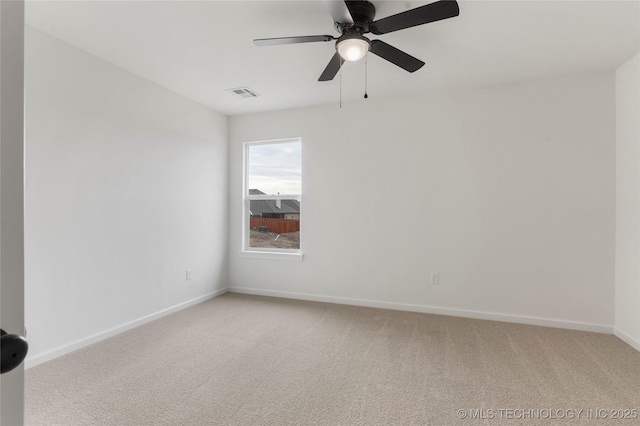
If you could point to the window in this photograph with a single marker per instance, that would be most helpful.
(272, 196)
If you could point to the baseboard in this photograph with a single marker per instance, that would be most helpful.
(627, 339)
(545, 322)
(78, 344)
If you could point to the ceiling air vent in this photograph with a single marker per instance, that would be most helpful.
(243, 92)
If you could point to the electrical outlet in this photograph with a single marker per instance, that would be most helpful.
(188, 275)
(435, 278)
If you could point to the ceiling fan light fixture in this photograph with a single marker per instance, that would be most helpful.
(352, 19)
(353, 49)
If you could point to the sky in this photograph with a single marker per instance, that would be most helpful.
(275, 168)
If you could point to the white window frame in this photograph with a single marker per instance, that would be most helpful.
(259, 252)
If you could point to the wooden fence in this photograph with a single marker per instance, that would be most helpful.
(279, 226)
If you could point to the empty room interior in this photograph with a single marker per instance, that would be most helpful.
(229, 219)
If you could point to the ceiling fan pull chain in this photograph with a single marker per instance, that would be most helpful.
(365, 77)
(340, 87)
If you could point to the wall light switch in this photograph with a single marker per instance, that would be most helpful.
(435, 279)
(188, 276)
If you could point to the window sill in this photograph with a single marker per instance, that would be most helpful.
(271, 255)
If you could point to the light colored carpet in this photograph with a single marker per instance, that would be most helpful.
(248, 360)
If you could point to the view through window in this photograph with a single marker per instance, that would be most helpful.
(273, 186)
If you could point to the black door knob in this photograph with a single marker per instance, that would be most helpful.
(14, 349)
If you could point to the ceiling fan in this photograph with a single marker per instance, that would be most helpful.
(354, 18)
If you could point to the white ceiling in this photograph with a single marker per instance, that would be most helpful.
(201, 48)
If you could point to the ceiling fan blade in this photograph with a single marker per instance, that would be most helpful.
(437, 11)
(395, 56)
(291, 40)
(339, 11)
(332, 68)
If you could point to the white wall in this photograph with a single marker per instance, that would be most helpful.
(126, 188)
(508, 192)
(627, 287)
(12, 199)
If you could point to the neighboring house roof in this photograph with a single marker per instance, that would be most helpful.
(259, 207)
